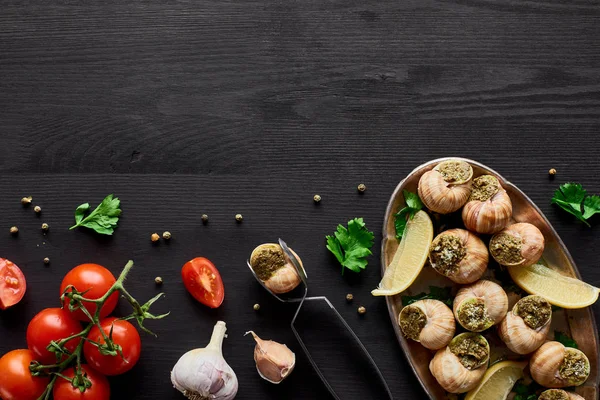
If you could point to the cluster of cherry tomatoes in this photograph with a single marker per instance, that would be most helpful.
(54, 324)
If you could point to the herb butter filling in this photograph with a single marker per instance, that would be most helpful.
(506, 249)
(412, 322)
(484, 188)
(267, 262)
(472, 314)
(471, 349)
(575, 367)
(554, 394)
(534, 310)
(454, 171)
(445, 253)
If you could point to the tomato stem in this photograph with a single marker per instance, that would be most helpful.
(140, 313)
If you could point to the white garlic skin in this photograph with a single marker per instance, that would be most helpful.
(204, 373)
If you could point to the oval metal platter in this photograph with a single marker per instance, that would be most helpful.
(579, 324)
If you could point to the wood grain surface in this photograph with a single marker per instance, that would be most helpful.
(185, 107)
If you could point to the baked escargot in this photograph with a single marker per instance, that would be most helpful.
(429, 322)
(525, 327)
(447, 187)
(489, 208)
(460, 366)
(555, 366)
(273, 268)
(517, 244)
(459, 255)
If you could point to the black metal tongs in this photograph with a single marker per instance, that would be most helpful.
(303, 277)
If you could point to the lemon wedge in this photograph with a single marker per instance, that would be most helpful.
(558, 289)
(498, 381)
(410, 257)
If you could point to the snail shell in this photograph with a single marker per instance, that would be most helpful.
(459, 255)
(274, 269)
(558, 394)
(525, 327)
(480, 305)
(517, 244)
(489, 208)
(460, 366)
(447, 187)
(556, 366)
(429, 322)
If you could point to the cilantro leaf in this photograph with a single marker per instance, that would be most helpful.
(103, 219)
(413, 204)
(443, 294)
(565, 339)
(352, 245)
(573, 198)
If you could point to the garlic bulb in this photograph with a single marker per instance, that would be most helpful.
(460, 366)
(480, 305)
(489, 208)
(556, 366)
(447, 187)
(525, 327)
(459, 255)
(429, 322)
(273, 268)
(204, 373)
(558, 394)
(517, 244)
(274, 361)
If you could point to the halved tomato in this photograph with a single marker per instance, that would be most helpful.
(12, 284)
(202, 279)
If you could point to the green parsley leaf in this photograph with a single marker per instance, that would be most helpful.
(573, 198)
(565, 339)
(103, 219)
(351, 246)
(526, 392)
(413, 204)
(443, 294)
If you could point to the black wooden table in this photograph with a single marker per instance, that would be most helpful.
(223, 107)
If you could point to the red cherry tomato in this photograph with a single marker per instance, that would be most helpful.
(125, 335)
(12, 284)
(202, 279)
(51, 324)
(16, 382)
(97, 280)
(64, 390)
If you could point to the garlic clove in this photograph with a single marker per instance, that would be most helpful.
(274, 361)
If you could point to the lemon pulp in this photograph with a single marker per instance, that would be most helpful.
(409, 258)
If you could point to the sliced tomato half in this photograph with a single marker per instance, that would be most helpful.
(202, 279)
(12, 284)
